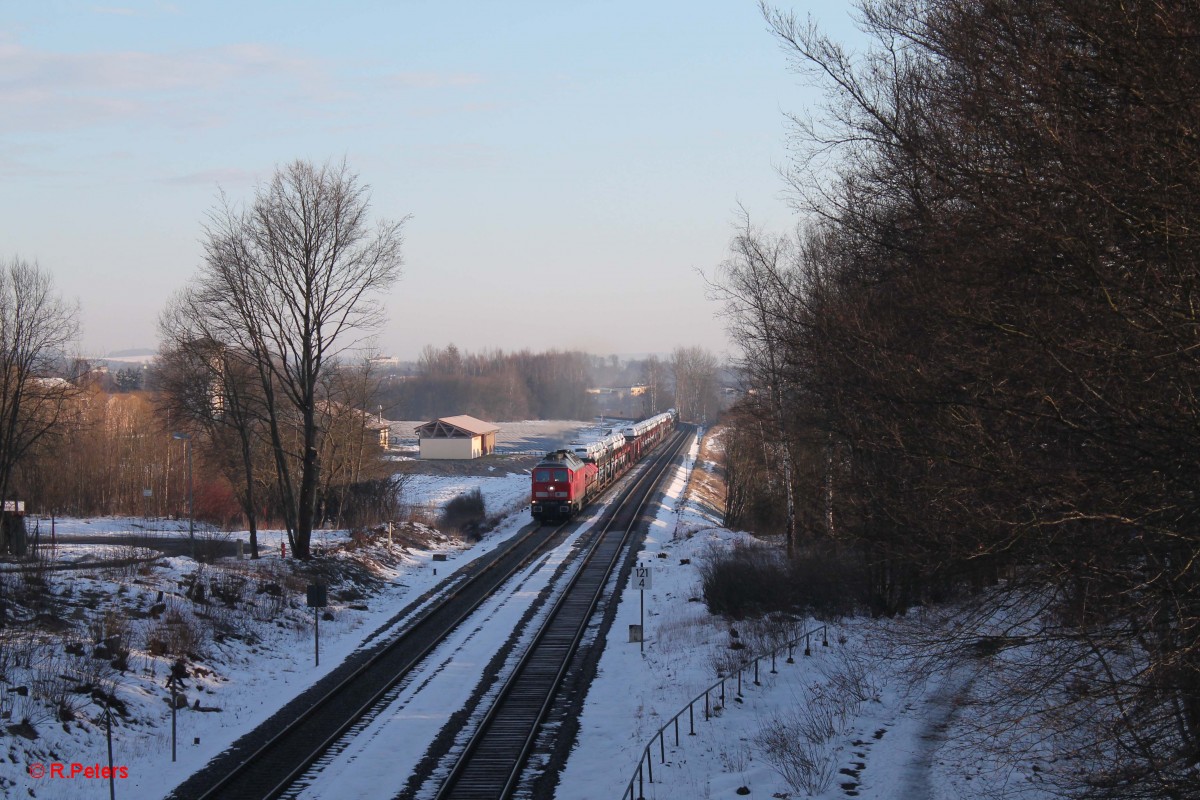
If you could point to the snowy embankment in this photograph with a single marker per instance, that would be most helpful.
(845, 721)
(261, 656)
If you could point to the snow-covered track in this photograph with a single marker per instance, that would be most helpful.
(493, 759)
(264, 763)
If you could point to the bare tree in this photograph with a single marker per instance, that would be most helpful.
(654, 378)
(214, 389)
(999, 324)
(695, 372)
(36, 326)
(352, 456)
(758, 286)
(291, 282)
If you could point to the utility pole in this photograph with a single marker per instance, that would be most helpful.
(187, 438)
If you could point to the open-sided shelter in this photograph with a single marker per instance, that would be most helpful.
(462, 436)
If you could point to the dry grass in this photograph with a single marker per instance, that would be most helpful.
(706, 483)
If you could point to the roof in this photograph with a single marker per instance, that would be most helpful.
(463, 422)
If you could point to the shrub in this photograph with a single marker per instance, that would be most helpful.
(829, 580)
(754, 579)
(177, 634)
(805, 763)
(465, 514)
(747, 579)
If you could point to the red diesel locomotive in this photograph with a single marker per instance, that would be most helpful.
(566, 480)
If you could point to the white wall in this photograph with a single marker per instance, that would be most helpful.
(451, 448)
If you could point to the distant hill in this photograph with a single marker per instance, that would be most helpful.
(136, 353)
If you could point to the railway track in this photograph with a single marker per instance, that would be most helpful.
(492, 761)
(264, 763)
(267, 761)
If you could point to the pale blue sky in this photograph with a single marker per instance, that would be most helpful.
(568, 166)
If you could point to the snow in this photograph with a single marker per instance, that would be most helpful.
(247, 682)
(399, 735)
(898, 742)
(504, 494)
(526, 436)
(895, 740)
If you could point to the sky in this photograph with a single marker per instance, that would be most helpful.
(569, 168)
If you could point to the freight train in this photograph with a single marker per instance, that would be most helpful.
(567, 480)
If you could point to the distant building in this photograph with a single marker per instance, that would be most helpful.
(383, 431)
(375, 429)
(456, 437)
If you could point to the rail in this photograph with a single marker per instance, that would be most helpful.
(527, 692)
(644, 773)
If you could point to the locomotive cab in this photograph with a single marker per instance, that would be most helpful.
(561, 483)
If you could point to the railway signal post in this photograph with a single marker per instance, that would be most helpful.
(317, 599)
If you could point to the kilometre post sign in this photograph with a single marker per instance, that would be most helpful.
(643, 578)
(643, 581)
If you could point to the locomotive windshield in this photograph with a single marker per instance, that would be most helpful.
(560, 475)
(541, 475)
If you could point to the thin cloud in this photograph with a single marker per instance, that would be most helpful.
(221, 176)
(42, 90)
(126, 11)
(432, 80)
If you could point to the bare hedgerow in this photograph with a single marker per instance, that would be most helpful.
(114, 633)
(807, 765)
(753, 578)
(850, 675)
(797, 741)
(724, 662)
(746, 579)
(211, 543)
(177, 633)
(464, 514)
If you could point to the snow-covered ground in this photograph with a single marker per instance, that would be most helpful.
(502, 494)
(879, 734)
(239, 682)
(527, 436)
(884, 736)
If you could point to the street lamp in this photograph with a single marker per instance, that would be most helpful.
(187, 437)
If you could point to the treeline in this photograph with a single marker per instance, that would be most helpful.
(108, 448)
(500, 386)
(976, 360)
(493, 385)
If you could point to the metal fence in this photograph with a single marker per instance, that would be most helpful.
(645, 769)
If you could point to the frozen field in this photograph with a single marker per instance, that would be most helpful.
(528, 436)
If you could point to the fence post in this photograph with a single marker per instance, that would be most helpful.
(645, 768)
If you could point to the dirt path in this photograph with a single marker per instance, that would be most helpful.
(937, 711)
